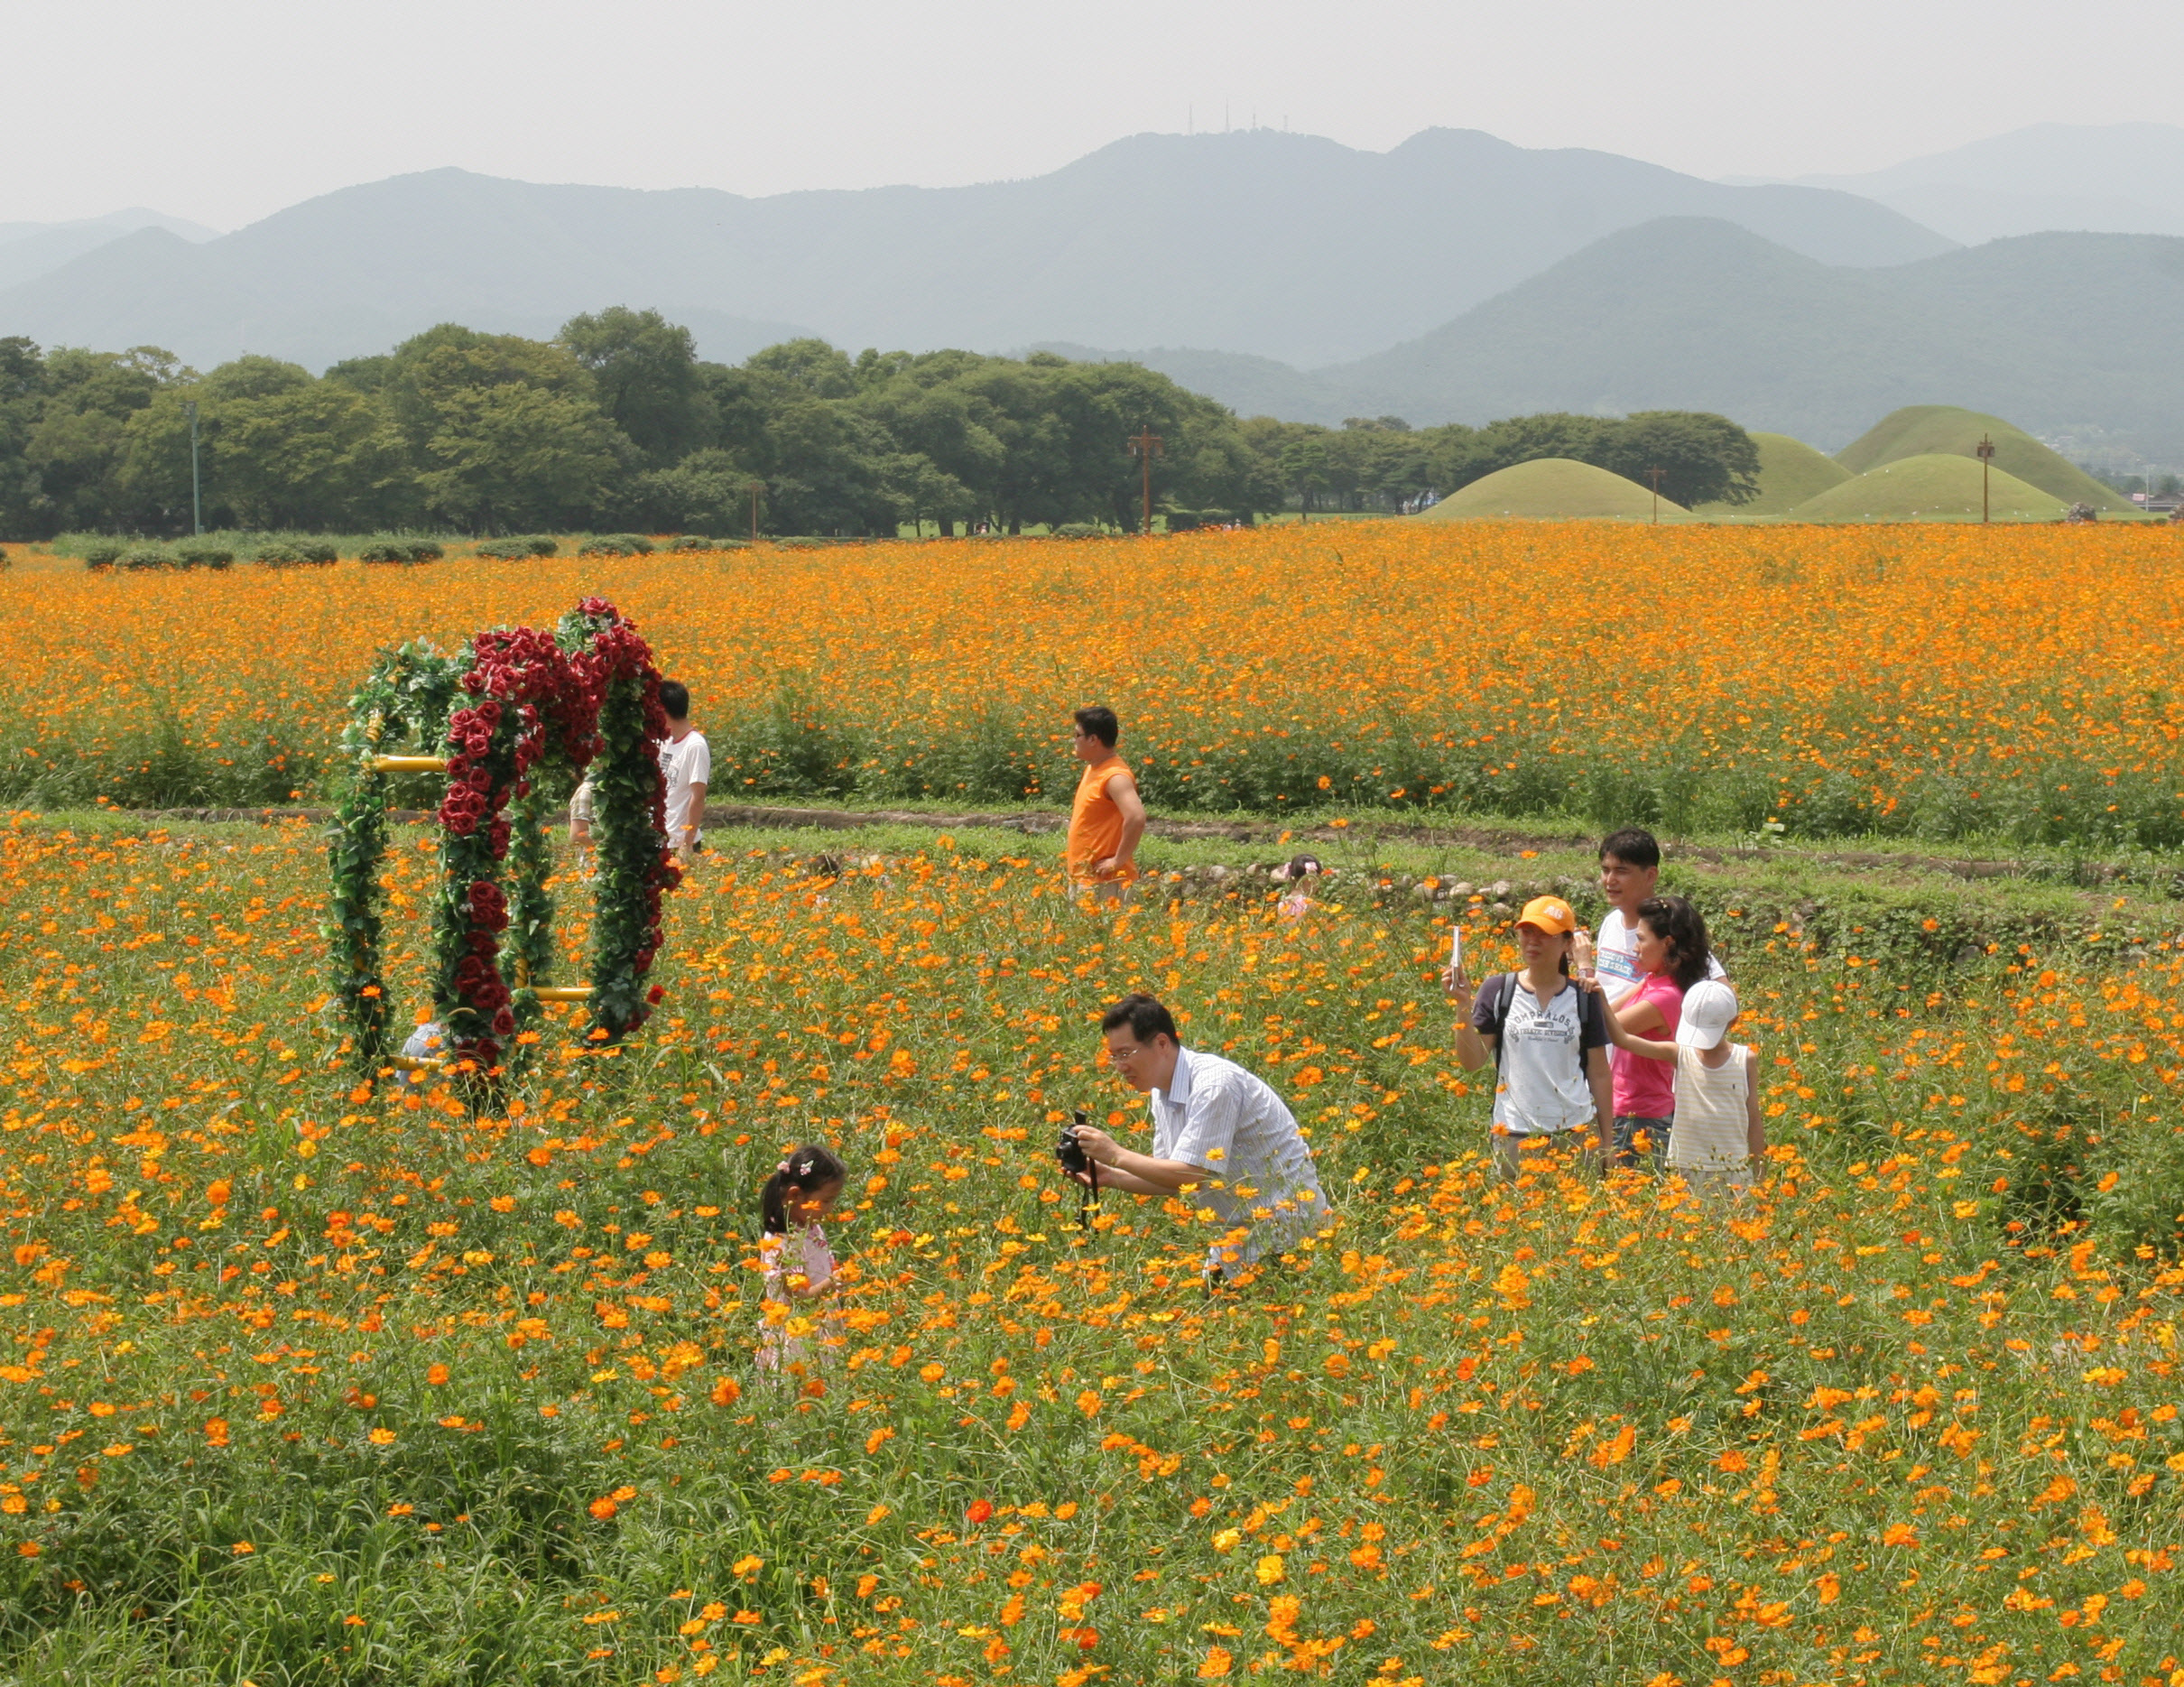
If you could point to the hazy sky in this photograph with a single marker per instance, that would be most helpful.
(225, 110)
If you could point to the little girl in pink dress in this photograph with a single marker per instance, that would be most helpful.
(793, 1254)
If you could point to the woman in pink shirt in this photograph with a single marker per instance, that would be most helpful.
(1673, 951)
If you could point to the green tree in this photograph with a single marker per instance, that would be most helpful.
(707, 492)
(1305, 471)
(25, 511)
(514, 455)
(644, 369)
(828, 472)
(1705, 458)
(80, 438)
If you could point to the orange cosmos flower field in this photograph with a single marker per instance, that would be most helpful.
(312, 1376)
(1938, 681)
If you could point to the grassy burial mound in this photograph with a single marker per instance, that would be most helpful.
(1929, 429)
(1551, 489)
(1789, 472)
(1938, 487)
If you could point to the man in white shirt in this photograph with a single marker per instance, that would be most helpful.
(1630, 869)
(687, 760)
(1220, 1137)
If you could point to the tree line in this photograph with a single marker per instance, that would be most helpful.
(616, 423)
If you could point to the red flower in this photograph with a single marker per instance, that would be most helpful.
(981, 1509)
(657, 994)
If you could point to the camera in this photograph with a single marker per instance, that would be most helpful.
(1067, 1150)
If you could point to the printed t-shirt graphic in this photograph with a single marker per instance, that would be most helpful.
(1095, 824)
(1541, 1058)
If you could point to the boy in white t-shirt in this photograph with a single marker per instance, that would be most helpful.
(1630, 868)
(687, 760)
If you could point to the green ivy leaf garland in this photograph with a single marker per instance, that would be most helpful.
(629, 797)
(402, 704)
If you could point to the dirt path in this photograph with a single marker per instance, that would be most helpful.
(1039, 823)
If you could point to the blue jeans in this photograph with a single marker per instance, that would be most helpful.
(1626, 1155)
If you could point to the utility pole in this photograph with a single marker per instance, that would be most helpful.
(1985, 451)
(757, 486)
(1146, 446)
(197, 496)
(1655, 475)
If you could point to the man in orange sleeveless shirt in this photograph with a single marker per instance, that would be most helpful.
(1107, 816)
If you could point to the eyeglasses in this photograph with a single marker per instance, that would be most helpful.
(1123, 1057)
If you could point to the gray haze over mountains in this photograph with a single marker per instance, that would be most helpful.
(1454, 278)
(2119, 179)
(29, 250)
(1284, 245)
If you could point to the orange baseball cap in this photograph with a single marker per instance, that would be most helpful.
(1551, 914)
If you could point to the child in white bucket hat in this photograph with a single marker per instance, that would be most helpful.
(1719, 1136)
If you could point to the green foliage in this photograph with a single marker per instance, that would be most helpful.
(616, 425)
(617, 545)
(402, 706)
(517, 549)
(644, 369)
(629, 794)
(1384, 463)
(401, 551)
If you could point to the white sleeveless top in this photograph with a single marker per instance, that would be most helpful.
(1710, 1133)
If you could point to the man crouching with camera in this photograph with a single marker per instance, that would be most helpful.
(1220, 1137)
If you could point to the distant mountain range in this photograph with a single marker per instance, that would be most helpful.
(29, 250)
(1455, 278)
(1281, 245)
(2119, 179)
(2069, 335)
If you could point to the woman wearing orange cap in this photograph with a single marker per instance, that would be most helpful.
(1548, 1040)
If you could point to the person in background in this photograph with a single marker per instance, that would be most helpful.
(1719, 1136)
(1672, 953)
(1107, 817)
(1630, 870)
(687, 760)
(580, 819)
(792, 1251)
(1547, 1038)
(1221, 1136)
(1298, 874)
